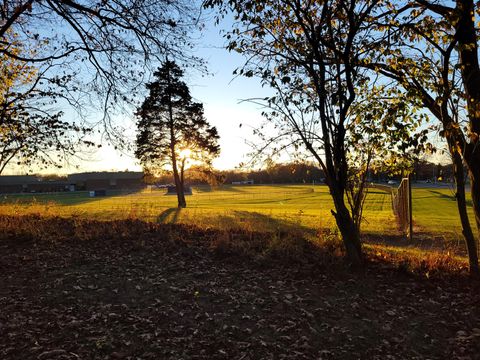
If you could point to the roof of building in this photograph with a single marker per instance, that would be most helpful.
(104, 175)
(17, 179)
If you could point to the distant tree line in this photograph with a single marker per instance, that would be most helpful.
(285, 173)
(422, 170)
(297, 173)
(425, 170)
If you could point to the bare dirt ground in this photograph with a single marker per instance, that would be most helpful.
(138, 291)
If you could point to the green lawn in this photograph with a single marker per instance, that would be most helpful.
(252, 207)
(435, 211)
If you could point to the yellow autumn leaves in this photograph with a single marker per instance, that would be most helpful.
(14, 74)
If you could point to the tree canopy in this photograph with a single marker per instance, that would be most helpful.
(311, 54)
(97, 53)
(172, 128)
(431, 52)
(88, 59)
(32, 131)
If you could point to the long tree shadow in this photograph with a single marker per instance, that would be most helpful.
(263, 223)
(202, 189)
(232, 188)
(169, 216)
(449, 197)
(225, 188)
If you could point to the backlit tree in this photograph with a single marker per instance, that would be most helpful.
(172, 128)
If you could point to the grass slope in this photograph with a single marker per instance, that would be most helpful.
(259, 208)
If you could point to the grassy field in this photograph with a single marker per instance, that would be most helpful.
(259, 208)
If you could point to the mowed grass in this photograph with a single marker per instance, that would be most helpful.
(255, 208)
(435, 211)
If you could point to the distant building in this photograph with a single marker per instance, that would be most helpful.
(172, 190)
(31, 184)
(127, 180)
(84, 181)
(15, 184)
(244, 182)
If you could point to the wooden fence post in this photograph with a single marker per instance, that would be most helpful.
(410, 212)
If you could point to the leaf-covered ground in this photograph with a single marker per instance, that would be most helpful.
(137, 291)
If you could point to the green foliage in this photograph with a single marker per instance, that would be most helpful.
(388, 128)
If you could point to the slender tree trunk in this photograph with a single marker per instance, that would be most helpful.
(178, 185)
(346, 225)
(182, 174)
(462, 210)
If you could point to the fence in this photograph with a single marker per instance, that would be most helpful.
(402, 206)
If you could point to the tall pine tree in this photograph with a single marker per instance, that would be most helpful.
(170, 125)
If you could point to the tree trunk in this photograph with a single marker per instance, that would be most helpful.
(462, 211)
(182, 174)
(474, 171)
(468, 49)
(178, 185)
(348, 230)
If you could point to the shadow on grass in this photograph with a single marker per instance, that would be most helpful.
(233, 188)
(449, 197)
(204, 188)
(226, 188)
(241, 220)
(200, 189)
(169, 216)
(442, 195)
(254, 221)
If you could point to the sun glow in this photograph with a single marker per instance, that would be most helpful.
(185, 154)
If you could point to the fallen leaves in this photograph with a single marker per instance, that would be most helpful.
(109, 298)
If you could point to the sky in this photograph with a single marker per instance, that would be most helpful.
(221, 94)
